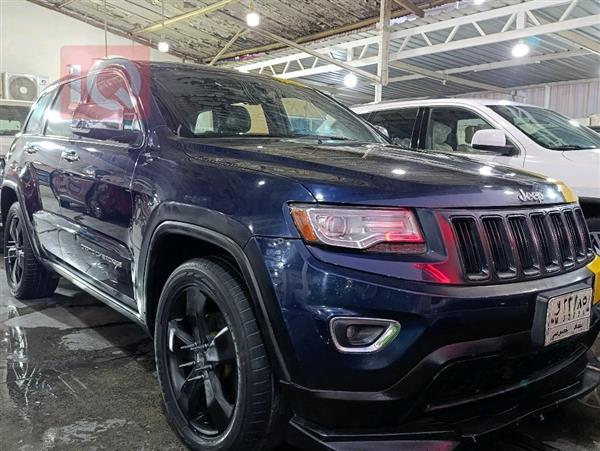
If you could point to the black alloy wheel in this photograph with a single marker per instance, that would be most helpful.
(202, 361)
(212, 364)
(14, 253)
(26, 277)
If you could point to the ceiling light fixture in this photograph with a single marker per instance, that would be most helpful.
(163, 46)
(520, 49)
(478, 2)
(350, 80)
(252, 18)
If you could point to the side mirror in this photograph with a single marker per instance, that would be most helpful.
(492, 140)
(384, 131)
(103, 122)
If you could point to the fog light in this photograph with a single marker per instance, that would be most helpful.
(362, 335)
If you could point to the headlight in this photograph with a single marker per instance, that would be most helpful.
(373, 229)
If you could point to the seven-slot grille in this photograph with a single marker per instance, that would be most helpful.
(503, 245)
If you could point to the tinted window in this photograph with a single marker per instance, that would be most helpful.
(549, 129)
(239, 119)
(60, 115)
(110, 92)
(399, 124)
(35, 125)
(225, 105)
(452, 129)
(12, 118)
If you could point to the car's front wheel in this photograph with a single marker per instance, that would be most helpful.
(27, 278)
(212, 364)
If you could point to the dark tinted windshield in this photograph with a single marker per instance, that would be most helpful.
(549, 129)
(226, 105)
(12, 118)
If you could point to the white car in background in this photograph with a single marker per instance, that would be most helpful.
(12, 117)
(515, 134)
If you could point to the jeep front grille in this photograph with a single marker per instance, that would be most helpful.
(500, 245)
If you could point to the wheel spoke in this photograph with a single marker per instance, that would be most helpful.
(221, 349)
(12, 231)
(195, 308)
(14, 271)
(191, 394)
(219, 409)
(175, 331)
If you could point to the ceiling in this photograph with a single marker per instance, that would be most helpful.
(202, 36)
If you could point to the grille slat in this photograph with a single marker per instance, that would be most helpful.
(576, 238)
(524, 242)
(499, 245)
(506, 244)
(560, 231)
(470, 246)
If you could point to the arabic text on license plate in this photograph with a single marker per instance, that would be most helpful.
(568, 315)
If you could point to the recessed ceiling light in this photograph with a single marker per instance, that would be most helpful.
(520, 49)
(350, 80)
(163, 46)
(252, 19)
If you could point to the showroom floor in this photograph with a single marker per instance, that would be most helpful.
(76, 375)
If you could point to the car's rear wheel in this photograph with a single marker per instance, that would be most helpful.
(26, 277)
(594, 226)
(214, 372)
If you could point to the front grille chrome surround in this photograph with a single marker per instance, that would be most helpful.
(500, 245)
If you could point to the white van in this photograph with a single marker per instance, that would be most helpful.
(510, 133)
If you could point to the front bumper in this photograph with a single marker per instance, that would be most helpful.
(462, 352)
(434, 434)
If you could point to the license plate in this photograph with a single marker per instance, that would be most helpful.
(568, 315)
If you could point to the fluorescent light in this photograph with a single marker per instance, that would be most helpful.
(163, 46)
(520, 49)
(350, 80)
(398, 171)
(478, 2)
(252, 19)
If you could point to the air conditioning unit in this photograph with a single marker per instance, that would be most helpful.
(20, 86)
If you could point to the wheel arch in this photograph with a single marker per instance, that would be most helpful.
(192, 241)
(8, 196)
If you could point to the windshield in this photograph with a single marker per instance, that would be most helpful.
(549, 129)
(12, 118)
(231, 105)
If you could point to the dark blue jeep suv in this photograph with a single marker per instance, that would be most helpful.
(303, 279)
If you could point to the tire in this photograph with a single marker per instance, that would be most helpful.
(594, 226)
(208, 347)
(26, 277)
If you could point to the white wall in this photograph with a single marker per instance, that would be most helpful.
(576, 99)
(31, 38)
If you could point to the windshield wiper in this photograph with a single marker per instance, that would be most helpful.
(571, 147)
(319, 137)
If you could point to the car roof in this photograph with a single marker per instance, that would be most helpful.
(388, 105)
(158, 66)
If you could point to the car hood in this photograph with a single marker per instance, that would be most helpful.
(383, 175)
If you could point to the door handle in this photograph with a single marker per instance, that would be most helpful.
(31, 149)
(69, 155)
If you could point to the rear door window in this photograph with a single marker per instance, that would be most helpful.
(60, 115)
(399, 123)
